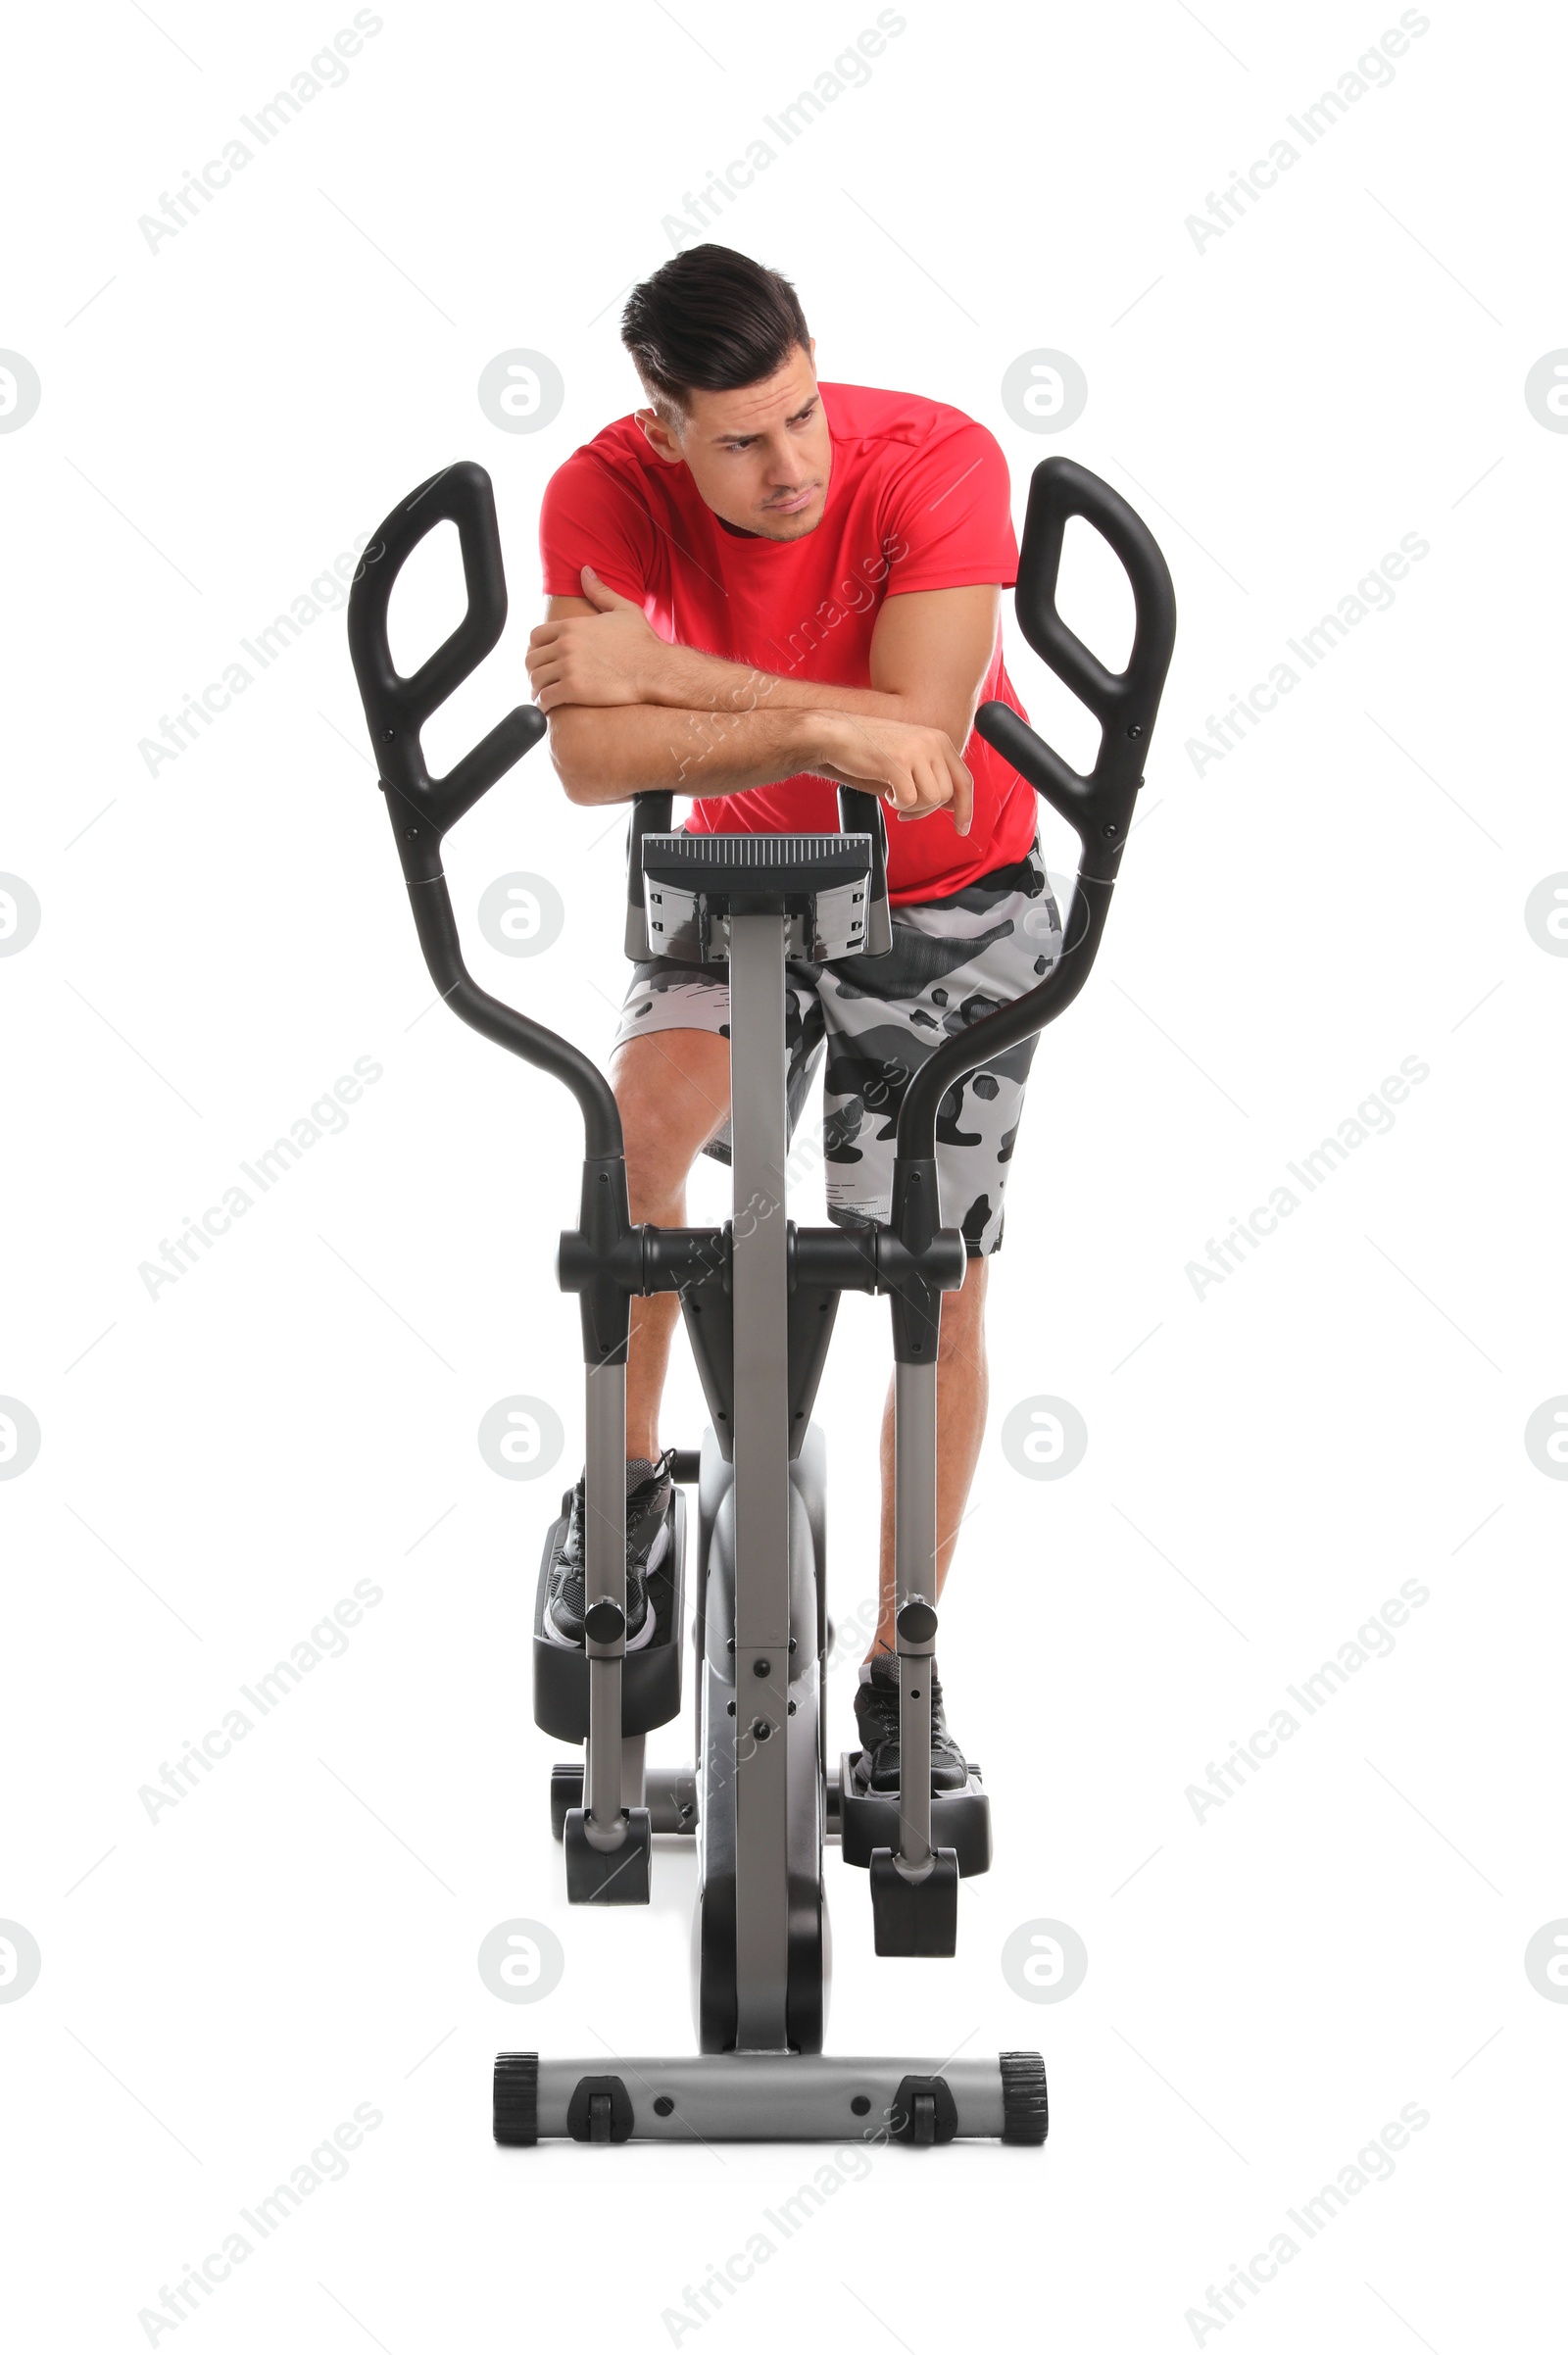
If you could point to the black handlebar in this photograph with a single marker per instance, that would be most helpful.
(1125, 702)
(1097, 807)
(398, 708)
(422, 807)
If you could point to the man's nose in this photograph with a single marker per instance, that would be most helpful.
(787, 469)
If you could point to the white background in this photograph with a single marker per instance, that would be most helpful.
(1266, 1464)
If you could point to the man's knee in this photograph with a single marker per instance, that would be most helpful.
(673, 1089)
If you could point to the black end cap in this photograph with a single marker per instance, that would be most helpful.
(924, 2112)
(604, 1621)
(1026, 2117)
(515, 2100)
(599, 2111)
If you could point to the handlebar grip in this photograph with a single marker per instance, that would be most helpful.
(460, 494)
(1031, 756)
(396, 708)
(493, 756)
(422, 808)
(1097, 807)
(1124, 701)
(1059, 490)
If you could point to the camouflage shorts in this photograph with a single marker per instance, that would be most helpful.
(952, 961)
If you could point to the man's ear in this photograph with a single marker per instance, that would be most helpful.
(658, 437)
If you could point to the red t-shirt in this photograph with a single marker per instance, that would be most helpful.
(919, 498)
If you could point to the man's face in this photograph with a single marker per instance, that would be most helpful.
(761, 457)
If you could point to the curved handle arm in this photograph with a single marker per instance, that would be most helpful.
(422, 807)
(1097, 807)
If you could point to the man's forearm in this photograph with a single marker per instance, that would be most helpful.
(694, 682)
(607, 753)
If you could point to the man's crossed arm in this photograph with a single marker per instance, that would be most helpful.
(630, 714)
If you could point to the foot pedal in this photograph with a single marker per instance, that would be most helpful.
(916, 1916)
(618, 1876)
(868, 1820)
(650, 1681)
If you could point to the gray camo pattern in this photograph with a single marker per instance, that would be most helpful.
(952, 961)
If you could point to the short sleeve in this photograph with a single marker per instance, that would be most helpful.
(950, 514)
(592, 514)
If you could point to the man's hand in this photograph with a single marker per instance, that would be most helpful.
(916, 768)
(607, 657)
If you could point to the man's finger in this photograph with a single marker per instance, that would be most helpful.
(962, 795)
(600, 592)
(935, 787)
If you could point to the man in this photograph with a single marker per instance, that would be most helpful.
(760, 588)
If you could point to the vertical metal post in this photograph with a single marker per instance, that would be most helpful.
(914, 1563)
(759, 1149)
(604, 1565)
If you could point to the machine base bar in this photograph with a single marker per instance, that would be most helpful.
(770, 2097)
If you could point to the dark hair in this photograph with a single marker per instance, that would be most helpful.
(710, 320)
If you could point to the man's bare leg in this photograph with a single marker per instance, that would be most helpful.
(673, 1086)
(962, 1394)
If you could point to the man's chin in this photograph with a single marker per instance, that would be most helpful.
(777, 526)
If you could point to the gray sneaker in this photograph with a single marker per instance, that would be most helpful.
(650, 1490)
(876, 1715)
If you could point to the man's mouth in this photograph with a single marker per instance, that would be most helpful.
(793, 505)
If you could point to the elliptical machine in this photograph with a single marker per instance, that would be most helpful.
(758, 1298)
